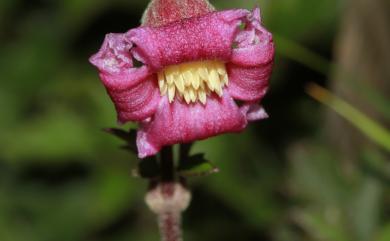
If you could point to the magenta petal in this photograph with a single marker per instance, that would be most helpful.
(180, 123)
(251, 64)
(125, 79)
(248, 84)
(207, 37)
(133, 90)
(254, 55)
(254, 44)
(136, 103)
(114, 55)
(115, 63)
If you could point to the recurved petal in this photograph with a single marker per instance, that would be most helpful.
(125, 79)
(180, 123)
(132, 89)
(136, 103)
(114, 55)
(254, 55)
(210, 36)
(254, 44)
(248, 83)
(251, 65)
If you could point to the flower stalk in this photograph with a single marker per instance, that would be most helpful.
(168, 198)
(170, 226)
(167, 165)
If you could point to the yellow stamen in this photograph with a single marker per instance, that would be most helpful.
(171, 93)
(193, 81)
(180, 83)
(202, 96)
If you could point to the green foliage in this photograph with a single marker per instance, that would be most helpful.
(384, 235)
(379, 134)
(196, 165)
(63, 179)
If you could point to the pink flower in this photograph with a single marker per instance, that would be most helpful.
(202, 72)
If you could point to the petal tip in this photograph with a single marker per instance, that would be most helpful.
(254, 112)
(256, 13)
(144, 146)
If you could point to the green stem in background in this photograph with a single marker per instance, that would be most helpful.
(368, 126)
(314, 61)
(302, 55)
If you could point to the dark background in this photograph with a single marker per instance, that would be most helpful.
(303, 174)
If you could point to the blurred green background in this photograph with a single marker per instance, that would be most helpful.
(306, 173)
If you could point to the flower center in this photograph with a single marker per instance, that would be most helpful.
(193, 81)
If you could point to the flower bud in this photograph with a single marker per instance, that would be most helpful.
(162, 12)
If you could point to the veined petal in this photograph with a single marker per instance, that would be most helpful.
(209, 36)
(115, 63)
(133, 90)
(248, 83)
(178, 122)
(125, 79)
(255, 55)
(254, 44)
(251, 64)
(136, 103)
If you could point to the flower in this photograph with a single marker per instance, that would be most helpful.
(188, 73)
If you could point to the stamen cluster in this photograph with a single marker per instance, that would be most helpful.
(193, 81)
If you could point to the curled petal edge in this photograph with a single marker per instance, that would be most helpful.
(179, 123)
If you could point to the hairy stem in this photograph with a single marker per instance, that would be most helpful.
(170, 226)
(168, 196)
(169, 220)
